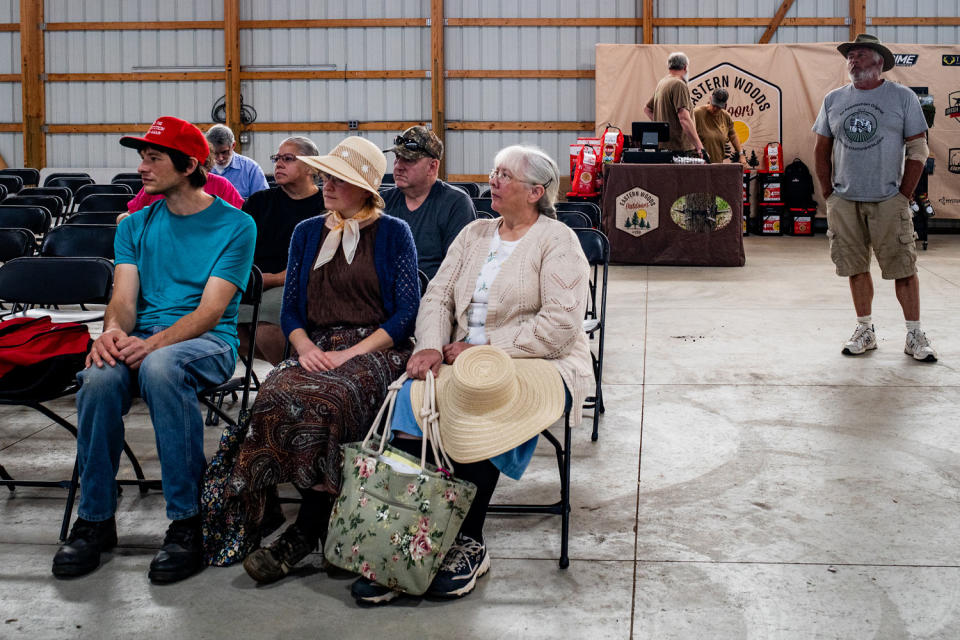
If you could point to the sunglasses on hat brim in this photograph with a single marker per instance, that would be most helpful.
(411, 145)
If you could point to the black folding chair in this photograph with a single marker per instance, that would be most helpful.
(36, 219)
(3, 192)
(54, 204)
(104, 202)
(596, 247)
(72, 181)
(65, 174)
(562, 506)
(271, 179)
(589, 208)
(32, 281)
(135, 184)
(424, 281)
(388, 179)
(80, 240)
(30, 177)
(485, 204)
(213, 397)
(472, 188)
(126, 175)
(11, 183)
(485, 193)
(89, 189)
(93, 217)
(61, 192)
(486, 215)
(16, 243)
(574, 219)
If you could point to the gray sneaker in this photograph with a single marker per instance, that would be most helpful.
(862, 340)
(919, 347)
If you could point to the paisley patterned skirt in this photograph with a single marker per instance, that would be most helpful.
(300, 419)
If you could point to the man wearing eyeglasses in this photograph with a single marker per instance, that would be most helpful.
(243, 172)
(435, 211)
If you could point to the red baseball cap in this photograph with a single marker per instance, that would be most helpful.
(172, 133)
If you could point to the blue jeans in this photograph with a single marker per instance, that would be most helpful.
(168, 380)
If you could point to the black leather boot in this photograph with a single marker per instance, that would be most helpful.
(181, 555)
(81, 553)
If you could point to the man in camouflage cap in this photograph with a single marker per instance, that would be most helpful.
(435, 211)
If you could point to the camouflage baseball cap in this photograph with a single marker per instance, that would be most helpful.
(417, 142)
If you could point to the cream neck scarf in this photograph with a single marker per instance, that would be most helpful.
(344, 233)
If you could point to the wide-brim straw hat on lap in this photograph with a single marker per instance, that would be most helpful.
(355, 160)
(490, 403)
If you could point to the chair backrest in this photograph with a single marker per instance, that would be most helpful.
(72, 182)
(596, 247)
(28, 175)
(11, 183)
(486, 215)
(592, 210)
(388, 179)
(36, 219)
(126, 175)
(16, 243)
(53, 204)
(484, 204)
(485, 193)
(271, 179)
(252, 295)
(135, 184)
(89, 189)
(574, 219)
(80, 240)
(104, 202)
(472, 188)
(35, 280)
(61, 192)
(65, 174)
(93, 217)
(3, 191)
(424, 281)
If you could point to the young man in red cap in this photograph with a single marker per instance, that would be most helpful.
(169, 330)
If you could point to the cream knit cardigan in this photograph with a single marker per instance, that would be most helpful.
(536, 305)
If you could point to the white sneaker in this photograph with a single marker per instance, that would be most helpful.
(919, 347)
(862, 340)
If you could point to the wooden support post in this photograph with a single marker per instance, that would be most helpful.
(647, 21)
(32, 85)
(437, 72)
(231, 62)
(858, 18)
(775, 22)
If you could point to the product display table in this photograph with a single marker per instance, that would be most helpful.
(674, 214)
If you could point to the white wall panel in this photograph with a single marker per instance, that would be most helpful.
(126, 51)
(126, 102)
(337, 100)
(9, 52)
(11, 148)
(11, 102)
(9, 11)
(333, 9)
(131, 10)
(89, 150)
(473, 151)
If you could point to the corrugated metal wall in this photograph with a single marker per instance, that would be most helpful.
(480, 99)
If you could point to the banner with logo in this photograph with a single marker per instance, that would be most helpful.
(776, 91)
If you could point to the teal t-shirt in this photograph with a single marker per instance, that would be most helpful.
(176, 255)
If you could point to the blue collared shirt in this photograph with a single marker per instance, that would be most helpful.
(243, 173)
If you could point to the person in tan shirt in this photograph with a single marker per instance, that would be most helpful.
(715, 127)
(671, 103)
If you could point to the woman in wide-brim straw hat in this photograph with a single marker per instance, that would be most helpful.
(350, 301)
(520, 284)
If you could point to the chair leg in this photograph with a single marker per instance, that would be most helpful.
(6, 476)
(137, 470)
(565, 495)
(71, 496)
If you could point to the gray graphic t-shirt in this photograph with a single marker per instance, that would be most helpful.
(868, 129)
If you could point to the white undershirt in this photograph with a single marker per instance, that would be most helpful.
(499, 251)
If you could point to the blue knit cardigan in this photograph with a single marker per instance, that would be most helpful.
(395, 260)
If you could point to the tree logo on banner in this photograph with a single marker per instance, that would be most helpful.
(754, 103)
(860, 126)
(638, 211)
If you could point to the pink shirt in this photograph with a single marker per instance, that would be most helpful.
(216, 186)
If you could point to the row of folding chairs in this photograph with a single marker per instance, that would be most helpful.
(71, 188)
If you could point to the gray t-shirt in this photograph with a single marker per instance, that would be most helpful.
(435, 223)
(868, 130)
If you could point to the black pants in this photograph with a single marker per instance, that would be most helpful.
(483, 474)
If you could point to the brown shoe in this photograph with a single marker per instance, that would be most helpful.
(269, 564)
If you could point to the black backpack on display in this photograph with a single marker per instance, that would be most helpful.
(797, 185)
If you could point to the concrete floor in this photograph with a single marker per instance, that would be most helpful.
(782, 489)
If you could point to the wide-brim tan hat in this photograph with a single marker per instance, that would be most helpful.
(490, 403)
(355, 160)
(870, 42)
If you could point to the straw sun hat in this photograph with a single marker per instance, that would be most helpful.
(490, 403)
(355, 160)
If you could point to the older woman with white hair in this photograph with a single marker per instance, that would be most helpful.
(520, 283)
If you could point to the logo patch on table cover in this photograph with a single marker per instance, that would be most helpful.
(701, 212)
(638, 211)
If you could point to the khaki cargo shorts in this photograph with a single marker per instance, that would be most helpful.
(853, 227)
